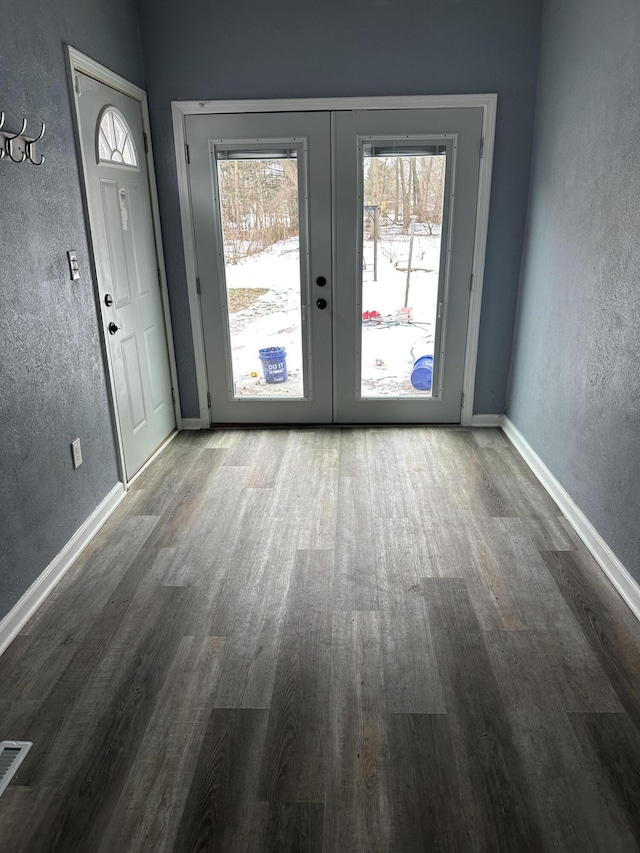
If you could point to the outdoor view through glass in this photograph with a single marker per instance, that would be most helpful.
(260, 230)
(401, 252)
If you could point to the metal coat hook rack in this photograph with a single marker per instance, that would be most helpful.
(18, 147)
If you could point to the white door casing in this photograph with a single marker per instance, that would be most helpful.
(486, 103)
(460, 132)
(129, 269)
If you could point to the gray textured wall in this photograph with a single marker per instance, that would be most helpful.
(575, 386)
(294, 48)
(52, 384)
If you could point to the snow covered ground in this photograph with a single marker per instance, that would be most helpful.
(389, 346)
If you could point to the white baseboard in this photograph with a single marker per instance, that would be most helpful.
(486, 420)
(19, 615)
(193, 423)
(601, 552)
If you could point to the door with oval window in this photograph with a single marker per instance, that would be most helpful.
(129, 287)
(334, 253)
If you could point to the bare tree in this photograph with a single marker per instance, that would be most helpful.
(407, 186)
(258, 203)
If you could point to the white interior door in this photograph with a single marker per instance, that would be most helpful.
(341, 242)
(120, 213)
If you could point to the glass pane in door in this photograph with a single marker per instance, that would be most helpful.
(403, 201)
(258, 193)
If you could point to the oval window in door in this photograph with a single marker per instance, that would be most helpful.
(114, 139)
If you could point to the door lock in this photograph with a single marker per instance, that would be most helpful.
(321, 303)
(112, 328)
(108, 300)
(321, 281)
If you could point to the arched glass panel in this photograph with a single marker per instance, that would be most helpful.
(115, 143)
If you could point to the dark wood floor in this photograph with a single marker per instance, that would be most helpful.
(328, 640)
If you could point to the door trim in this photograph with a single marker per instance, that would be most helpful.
(78, 62)
(487, 102)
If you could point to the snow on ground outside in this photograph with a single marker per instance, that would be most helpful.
(274, 318)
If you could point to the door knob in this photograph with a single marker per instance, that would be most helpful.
(108, 300)
(321, 281)
(112, 328)
(321, 303)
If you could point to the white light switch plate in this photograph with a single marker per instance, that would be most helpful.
(76, 450)
(74, 271)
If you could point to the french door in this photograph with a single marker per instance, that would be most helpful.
(334, 254)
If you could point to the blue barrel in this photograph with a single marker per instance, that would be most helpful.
(274, 364)
(422, 375)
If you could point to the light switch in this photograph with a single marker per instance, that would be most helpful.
(76, 452)
(73, 265)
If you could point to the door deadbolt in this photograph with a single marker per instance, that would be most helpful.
(108, 300)
(321, 303)
(112, 328)
(321, 281)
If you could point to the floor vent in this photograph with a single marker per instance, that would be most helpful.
(12, 754)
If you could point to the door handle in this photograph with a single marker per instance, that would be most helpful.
(112, 328)
(322, 304)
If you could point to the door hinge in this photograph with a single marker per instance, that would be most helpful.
(471, 282)
(198, 284)
(159, 277)
(77, 85)
(173, 395)
(462, 400)
(482, 148)
(209, 399)
(186, 153)
(145, 139)
(440, 307)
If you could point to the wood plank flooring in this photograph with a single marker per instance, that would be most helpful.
(371, 639)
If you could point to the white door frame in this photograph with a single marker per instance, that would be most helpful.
(488, 103)
(78, 62)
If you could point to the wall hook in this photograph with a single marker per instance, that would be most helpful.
(31, 143)
(8, 143)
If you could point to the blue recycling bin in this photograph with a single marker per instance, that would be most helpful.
(422, 374)
(274, 364)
